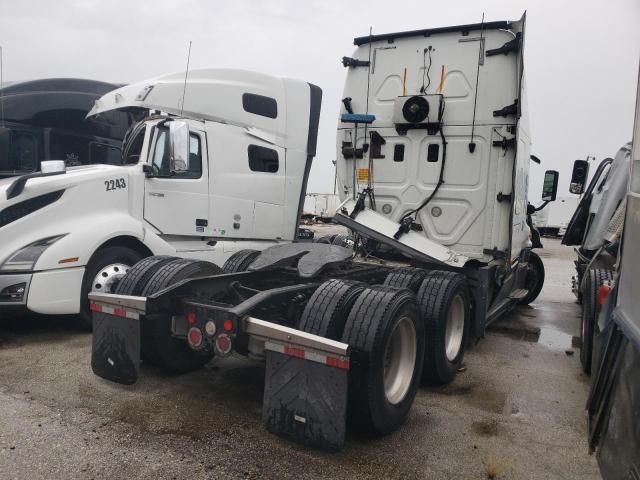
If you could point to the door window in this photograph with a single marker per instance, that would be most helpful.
(106, 154)
(160, 159)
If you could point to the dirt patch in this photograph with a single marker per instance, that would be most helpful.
(486, 428)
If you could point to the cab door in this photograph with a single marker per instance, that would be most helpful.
(177, 203)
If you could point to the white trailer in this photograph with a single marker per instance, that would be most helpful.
(553, 221)
(440, 252)
(320, 206)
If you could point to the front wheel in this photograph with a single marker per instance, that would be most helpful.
(102, 274)
(534, 279)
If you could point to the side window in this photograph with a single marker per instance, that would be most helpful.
(101, 153)
(161, 152)
(262, 159)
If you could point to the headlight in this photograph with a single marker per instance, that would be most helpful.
(25, 258)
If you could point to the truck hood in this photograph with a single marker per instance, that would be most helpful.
(39, 185)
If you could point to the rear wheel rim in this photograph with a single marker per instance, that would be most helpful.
(400, 360)
(454, 330)
(108, 276)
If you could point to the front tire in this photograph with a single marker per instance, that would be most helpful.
(590, 310)
(103, 272)
(534, 279)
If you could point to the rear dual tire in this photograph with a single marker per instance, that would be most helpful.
(159, 347)
(590, 311)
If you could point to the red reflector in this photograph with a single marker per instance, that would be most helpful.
(195, 337)
(294, 352)
(192, 318)
(336, 362)
(95, 307)
(119, 312)
(603, 292)
(227, 325)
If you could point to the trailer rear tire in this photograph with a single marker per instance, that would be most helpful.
(327, 310)
(159, 347)
(240, 261)
(386, 335)
(590, 311)
(445, 305)
(534, 279)
(406, 277)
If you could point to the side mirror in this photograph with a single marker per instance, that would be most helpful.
(178, 146)
(579, 176)
(550, 186)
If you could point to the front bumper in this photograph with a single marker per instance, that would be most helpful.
(49, 292)
(14, 288)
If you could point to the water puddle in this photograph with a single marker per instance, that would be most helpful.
(556, 340)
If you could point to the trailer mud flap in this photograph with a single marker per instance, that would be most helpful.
(305, 401)
(115, 349)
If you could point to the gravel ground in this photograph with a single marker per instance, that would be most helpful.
(516, 412)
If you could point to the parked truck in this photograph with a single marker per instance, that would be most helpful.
(69, 231)
(596, 229)
(44, 120)
(553, 221)
(614, 400)
(440, 252)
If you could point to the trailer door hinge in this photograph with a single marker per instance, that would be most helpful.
(510, 46)
(505, 143)
(508, 110)
(354, 62)
(506, 197)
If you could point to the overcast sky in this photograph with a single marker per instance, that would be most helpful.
(581, 56)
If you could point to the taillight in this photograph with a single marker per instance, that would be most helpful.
(227, 325)
(223, 344)
(192, 318)
(194, 337)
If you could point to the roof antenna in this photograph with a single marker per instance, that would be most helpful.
(472, 144)
(1, 93)
(184, 89)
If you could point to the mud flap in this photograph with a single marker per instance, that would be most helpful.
(305, 401)
(115, 349)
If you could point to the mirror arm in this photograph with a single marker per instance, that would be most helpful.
(537, 209)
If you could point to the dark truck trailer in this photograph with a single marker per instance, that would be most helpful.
(45, 120)
(614, 401)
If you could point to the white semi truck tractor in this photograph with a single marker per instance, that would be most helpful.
(433, 160)
(238, 179)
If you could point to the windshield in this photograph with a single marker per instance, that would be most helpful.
(133, 140)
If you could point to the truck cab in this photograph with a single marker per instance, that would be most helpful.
(226, 165)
